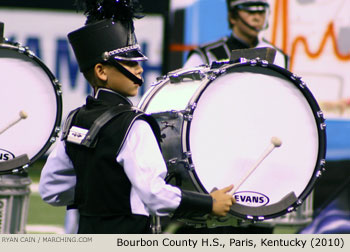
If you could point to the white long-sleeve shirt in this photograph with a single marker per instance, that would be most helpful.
(143, 164)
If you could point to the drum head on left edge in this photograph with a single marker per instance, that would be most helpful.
(26, 86)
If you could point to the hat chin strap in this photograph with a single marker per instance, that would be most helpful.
(249, 26)
(266, 23)
(127, 73)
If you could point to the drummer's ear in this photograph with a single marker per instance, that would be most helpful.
(232, 20)
(100, 72)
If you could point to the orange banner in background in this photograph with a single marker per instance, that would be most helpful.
(282, 8)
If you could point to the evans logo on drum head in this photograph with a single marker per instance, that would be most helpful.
(5, 155)
(252, 199)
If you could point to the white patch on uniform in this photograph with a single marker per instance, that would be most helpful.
(76, 135)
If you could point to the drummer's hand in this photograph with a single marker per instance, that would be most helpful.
(222, 201)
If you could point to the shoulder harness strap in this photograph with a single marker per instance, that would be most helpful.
(68, 123)
(91, 136)
(88, 138)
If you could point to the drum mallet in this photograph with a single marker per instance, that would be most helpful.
(275, 143)
(22, 115)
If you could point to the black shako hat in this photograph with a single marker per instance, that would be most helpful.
(248, 5)
(103, 41)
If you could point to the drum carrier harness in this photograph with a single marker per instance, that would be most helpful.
(89, 140)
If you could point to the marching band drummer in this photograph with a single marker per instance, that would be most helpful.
(108, 162)
(246, 18)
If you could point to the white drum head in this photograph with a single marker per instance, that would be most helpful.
(233, 123)
(25, 86)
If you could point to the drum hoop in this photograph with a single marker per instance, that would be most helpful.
(316, 111)
(148, 96)
(58, 94)
(159, 84)
(321, 128)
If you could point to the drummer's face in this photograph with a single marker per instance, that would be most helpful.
(115, 80)
(255, 19)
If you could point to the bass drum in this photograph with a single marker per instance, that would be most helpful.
(217, 121)
(31, 105)
(31, 108)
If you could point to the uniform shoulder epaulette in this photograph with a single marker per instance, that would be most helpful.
(210, 47)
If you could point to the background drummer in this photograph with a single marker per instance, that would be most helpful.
(247, 19)
(118, 181)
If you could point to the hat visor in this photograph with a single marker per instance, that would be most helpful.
(253, 7)
(132, 55)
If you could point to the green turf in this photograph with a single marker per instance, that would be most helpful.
(286, 229)
(35, 169)
(41, 213)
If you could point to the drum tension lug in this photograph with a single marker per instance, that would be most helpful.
(57, 131)
(175, 161)
(188, 113)
(290, 209)
(322, 168)
(302, 84)
(253, 62)
(21, 49)
(294, 77)
(190, 75)
(264, 63)
(213, 75)
(57, 83)
(188, 117)
(323, 165)
(166, 125)
(159, 80)
(320, 114)
(172, 161)
(53, 139)
(30, 53)
(187, 154)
